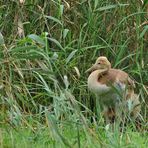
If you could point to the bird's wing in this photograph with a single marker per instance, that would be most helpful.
(114, 76)
(123, 77)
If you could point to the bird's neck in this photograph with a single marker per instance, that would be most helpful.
(93, 84)
(98, 73)
(103, 71)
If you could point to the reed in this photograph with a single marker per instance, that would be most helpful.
(45, 49)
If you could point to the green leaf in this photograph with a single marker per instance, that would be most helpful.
(46, 87)
(1, 39)
(37, 39)
(96, 3)
(65, 32)
(144, 31)
(61, 10)
(54, 128)
(56, 42)
(53, 19)
(70, 56)
(111, 7)
(22, 49)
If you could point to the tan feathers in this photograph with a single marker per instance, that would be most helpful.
(111, 86)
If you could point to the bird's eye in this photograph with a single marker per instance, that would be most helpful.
(99, 63)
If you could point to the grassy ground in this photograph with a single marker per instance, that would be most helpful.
(45, 49)
(70, 136)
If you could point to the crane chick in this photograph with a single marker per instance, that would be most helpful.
(114, 90)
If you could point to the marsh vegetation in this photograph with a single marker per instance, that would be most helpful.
(45, 48)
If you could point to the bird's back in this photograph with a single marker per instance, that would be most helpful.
(116, 80)
(113, 76)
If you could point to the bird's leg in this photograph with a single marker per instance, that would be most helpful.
(129, 110)
(105, 114)
(121, 114)
(109, 114)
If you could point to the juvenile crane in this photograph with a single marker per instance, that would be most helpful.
(114, 90)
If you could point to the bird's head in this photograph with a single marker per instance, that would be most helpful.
(101, 63)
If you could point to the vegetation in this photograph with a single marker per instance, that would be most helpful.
(45, 49)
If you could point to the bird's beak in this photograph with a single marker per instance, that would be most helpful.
(91, 69)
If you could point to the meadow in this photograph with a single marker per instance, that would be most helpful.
(45, 48)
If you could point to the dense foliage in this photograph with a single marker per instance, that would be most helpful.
(47, 45)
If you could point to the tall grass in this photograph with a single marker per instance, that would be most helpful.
(45, 48)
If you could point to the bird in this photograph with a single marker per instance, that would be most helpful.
(114, 90)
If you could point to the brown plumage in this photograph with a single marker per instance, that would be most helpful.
(114, 89)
